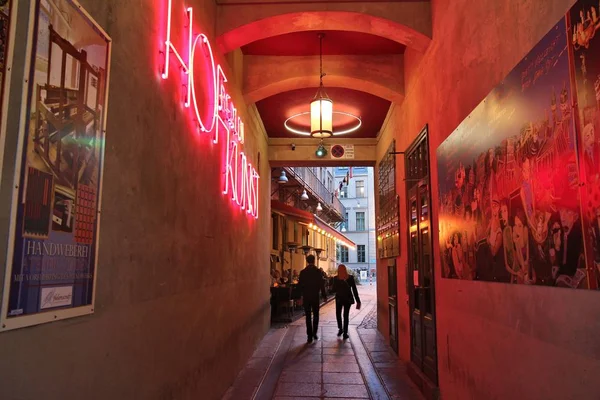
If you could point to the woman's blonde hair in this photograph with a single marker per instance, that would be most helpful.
(342, 272)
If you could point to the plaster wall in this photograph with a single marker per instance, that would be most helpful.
(182, 294)
(494, 341)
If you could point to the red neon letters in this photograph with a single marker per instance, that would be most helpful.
(240, 177)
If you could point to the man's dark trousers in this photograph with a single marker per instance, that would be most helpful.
(312, 324)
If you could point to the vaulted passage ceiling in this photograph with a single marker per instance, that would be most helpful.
(306, 43)
(363, 56)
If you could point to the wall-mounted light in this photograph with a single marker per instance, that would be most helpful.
(282, 178)
(319, 208)
(304, 195)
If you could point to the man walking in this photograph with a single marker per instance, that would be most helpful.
(311, 282)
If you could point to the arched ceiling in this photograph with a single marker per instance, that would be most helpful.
(276, 109)
(306, 43)
(363, 56)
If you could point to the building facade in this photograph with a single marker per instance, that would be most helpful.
(304, 215)
(355, 189)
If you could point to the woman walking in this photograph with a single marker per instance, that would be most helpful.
(344, 287)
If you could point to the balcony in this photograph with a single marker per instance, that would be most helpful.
(301, 178)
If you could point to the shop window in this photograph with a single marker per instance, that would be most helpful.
(275, 231)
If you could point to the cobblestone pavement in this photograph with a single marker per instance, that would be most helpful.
(285, 367)
(370, 321)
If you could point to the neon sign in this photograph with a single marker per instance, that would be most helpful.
(240, 179)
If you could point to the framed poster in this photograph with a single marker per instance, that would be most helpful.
(5, 45)
(388, 218)
(7, 36)
(509, 179)
(53, 249)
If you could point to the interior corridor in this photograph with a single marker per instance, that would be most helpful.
(167, 167)
(284, 366)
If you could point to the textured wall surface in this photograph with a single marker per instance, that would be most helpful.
(411, 19)
(380, 75)
(183, 286)
(495, 341)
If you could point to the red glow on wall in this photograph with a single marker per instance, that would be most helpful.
(215, 112)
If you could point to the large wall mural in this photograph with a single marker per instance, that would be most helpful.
(511, 190)
(585, 41)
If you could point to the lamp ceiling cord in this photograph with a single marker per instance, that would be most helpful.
(321, 75)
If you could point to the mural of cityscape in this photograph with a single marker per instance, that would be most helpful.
(518, 179)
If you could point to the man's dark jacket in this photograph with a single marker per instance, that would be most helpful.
(311, 282)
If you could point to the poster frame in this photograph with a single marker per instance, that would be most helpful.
(5, 90)
(42, 317)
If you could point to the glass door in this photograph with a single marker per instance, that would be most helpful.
(393, 303)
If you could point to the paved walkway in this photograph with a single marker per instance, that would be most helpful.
(285, 367)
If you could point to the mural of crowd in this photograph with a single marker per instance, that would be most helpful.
(585, 25)
(519, 191)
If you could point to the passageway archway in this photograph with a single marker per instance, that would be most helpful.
(241, 35)
(381, 76)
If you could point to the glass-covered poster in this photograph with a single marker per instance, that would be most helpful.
(56, 223)
(509, 183)
(585, 41)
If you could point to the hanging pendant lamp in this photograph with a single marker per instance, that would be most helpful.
(321, 108)
(282, 178)
(321, 112)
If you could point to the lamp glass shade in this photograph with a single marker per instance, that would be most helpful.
(321, 117)
(304, 195)
(282, 178)
(319, 208)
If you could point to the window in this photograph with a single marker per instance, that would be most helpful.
(345, 223)
(341, 171)
(360, 221)
(344, 192)
(360, 188)
(275, 231)
(361, 255)
(342, 254)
